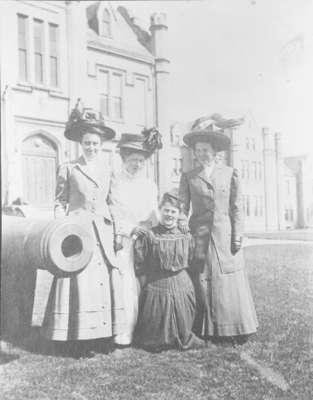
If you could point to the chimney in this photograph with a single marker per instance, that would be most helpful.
(158, 29)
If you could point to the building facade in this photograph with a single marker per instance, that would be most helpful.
(299, 191)
(277, 191)
(57, 52)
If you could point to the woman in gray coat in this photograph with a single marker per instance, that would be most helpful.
(83, 306)
(225, 305)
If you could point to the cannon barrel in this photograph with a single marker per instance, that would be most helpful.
(33, 252)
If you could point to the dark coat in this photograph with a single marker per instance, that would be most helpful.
(216, 218)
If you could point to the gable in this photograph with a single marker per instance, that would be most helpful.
(115, 29)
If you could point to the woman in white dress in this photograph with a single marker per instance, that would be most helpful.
(133, 201)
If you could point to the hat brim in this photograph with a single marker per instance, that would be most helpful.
(135, 147)
(219, 141)
(76, 133)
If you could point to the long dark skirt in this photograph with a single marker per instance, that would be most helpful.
(167, 311)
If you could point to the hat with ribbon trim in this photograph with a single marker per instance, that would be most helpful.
(86, 120)
(147, 142)
(211, 129)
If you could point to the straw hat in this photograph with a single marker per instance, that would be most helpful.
(86, 121)
(206, 130)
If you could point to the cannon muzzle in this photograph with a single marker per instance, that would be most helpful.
(33, 253)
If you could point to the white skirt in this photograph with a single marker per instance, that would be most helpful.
(131, 291)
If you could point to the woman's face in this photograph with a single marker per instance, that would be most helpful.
(204, 153)
(91, 145)
(134, 163)
(169, 215)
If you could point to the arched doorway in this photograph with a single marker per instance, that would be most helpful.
(39, 162)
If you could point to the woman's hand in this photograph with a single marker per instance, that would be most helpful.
(118, 243)
(235, 245)
(139, 230)
(183, 226)
(142, 280)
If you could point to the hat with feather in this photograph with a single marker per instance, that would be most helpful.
(211, 129)
(147, 142)
(86, 120)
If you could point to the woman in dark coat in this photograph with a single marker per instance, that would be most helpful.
(225, 305)
(167, 304)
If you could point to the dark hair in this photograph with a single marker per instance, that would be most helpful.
(92, 132)
(214, 147)
(174, 202)
(126, 152)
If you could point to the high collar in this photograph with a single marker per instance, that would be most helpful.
(208, 175)
(128, 175)
(94, 161)
(164, 229)
(95, 170)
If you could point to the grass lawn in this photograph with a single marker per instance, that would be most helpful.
(291, 234)
(276, 364)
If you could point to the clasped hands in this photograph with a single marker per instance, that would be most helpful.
(119, 239)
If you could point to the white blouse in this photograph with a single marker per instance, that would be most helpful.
(133, 201)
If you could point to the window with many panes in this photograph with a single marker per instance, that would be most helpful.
(22, 27)
(39, 50)
(116, 87)
(255, 172)
(36, 38)
(177, 166)
(54, 54)
(256, 201)
(261, 206)
(103, 78)
(248, 205)
(247, 169)
(243, 169)
(260, 171)
(110, 86)
(140, 111)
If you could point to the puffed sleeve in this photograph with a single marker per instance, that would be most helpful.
(141, 251)
(235, 206)
(62, 191)
(184, 194)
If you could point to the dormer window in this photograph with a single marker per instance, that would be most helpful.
(106, 23)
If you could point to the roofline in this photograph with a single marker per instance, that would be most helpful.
(95, 45)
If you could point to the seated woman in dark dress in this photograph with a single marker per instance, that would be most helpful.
(167, 304)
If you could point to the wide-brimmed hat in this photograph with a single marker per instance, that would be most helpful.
(84, 121)
(147, 142)
(206, 130)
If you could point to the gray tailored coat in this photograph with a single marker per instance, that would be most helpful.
(224, 302)
(87, 305)
(216, 218)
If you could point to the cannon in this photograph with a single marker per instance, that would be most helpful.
(33, 252)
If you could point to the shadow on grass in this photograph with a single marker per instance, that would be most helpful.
(33, 342)
(7, 357)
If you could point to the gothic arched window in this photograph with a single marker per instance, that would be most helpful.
(106, 24)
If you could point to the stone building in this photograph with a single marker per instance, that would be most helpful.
(54, 52)
(299, 191)
(277, 191)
